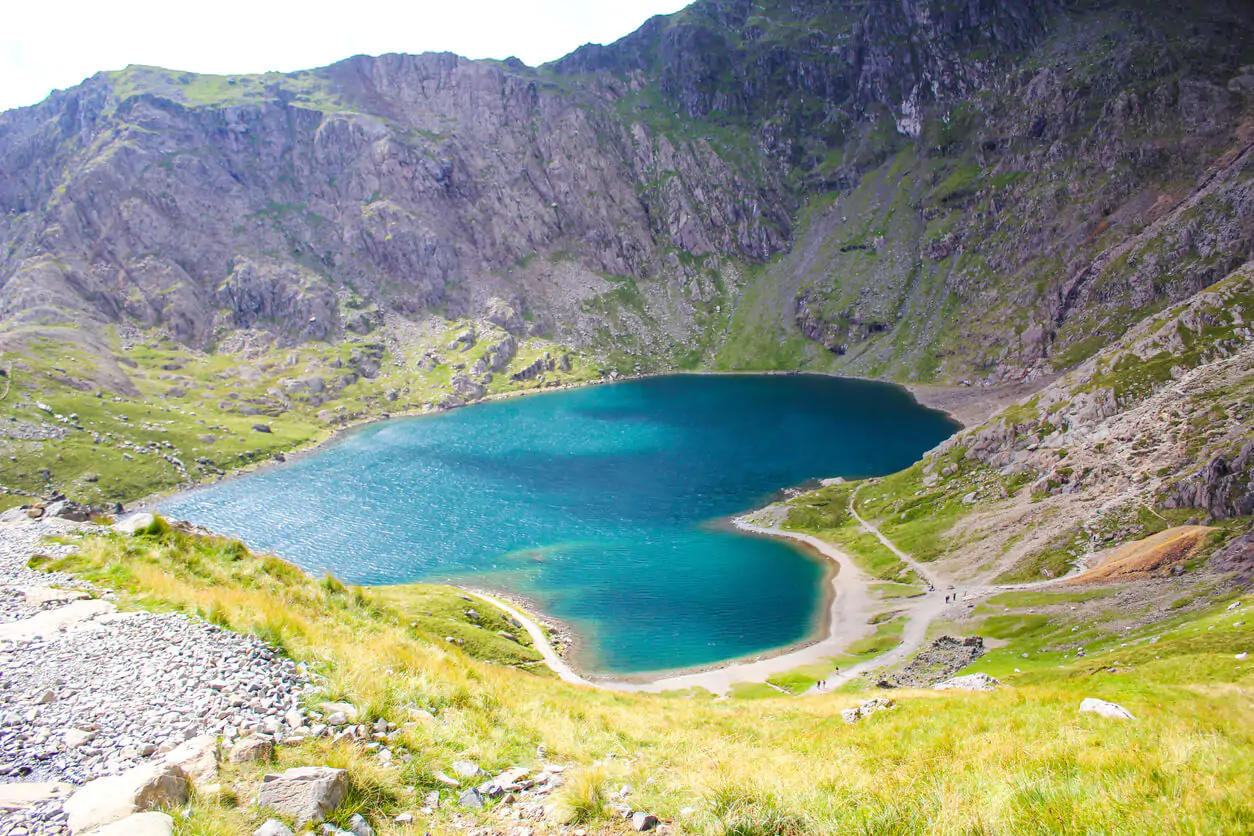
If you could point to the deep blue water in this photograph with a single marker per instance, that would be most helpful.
(596, 503)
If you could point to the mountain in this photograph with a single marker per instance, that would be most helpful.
(1037, 162)
(938, 191)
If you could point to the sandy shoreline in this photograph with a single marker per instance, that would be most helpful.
(846, 620)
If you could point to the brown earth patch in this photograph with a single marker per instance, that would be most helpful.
(1150, 557)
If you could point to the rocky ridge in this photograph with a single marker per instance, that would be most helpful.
(1047, 167)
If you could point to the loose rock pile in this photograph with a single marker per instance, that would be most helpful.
(97, 700)
(87, 692)
(937, 662)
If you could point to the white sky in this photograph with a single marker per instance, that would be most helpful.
(53, 44)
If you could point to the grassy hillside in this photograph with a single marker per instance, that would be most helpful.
(1017, 760)
(182, 416)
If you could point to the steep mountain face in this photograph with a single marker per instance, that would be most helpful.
(919, 189)
(412, 181)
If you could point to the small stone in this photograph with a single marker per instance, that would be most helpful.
(252, 748)
(273, 827)
(466, 769)
(1102, 708)
(75, 738)
(471, 798)
(358, 826)
(1242, 656)
(404, 818)
(641, 821)
(346, 708)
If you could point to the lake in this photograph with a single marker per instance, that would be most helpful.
(600, 504)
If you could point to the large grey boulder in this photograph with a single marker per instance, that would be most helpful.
(464, 387)
(39, 596)
(134, 523)
(141, 789)
(20, 795)
(139, 824)
(306, 793)
(1102, 708)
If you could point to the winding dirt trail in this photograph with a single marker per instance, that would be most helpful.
(551, 658)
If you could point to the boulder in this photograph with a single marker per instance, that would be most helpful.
(467, 389)
(252, 748)
(970, 682)
(55, 621)
(197, 757)
(134, 522)
(141, 789)
(305, 793)
(38, 596)
(1102, 708)
(866, 709)
(25, 794)
(139, 824)
(273, 827)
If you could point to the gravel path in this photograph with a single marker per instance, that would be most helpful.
(111, 690)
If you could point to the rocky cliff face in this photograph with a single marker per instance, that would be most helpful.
(975, 189)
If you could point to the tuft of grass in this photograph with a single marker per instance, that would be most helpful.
(583, 799)
(744, 810)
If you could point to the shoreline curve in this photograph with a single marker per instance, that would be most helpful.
(846, 620)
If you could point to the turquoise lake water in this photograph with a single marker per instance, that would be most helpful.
(598, 504)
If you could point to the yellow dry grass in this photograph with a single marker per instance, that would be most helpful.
(1018, 760)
